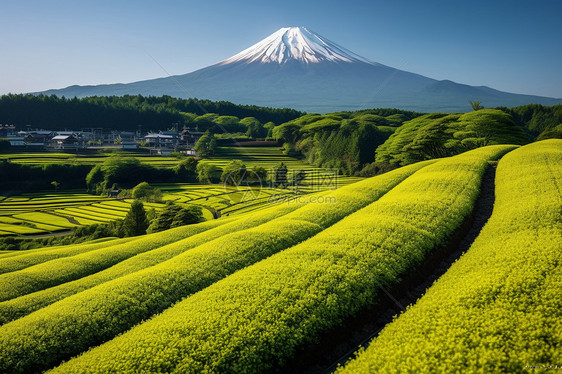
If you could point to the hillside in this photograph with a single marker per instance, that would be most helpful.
(500, 295)
(298, 68)
(249, 294)
(346, 141)
(440, 135)
(367, 142)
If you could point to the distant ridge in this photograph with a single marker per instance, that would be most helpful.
(298, 68)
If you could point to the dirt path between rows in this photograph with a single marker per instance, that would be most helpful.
(68, 218)
(339, 344)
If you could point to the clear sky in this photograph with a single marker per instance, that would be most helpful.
(513, 46)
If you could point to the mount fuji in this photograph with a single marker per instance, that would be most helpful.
(297, 68)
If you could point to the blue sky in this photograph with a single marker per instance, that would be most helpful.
(513, 46)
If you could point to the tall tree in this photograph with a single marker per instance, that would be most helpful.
(206, 145)
(165, 218)
(280, 176)
(234, 173)
(94, 178)
(475, 105)
(186, 170)
(208, 173)
(187, 216)
(126, 171)
(135, 222)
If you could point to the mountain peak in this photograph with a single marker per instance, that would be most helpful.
(295, 44)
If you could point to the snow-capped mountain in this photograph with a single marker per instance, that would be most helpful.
(298, 68)
(294, 44)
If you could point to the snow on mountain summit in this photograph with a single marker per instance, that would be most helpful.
(294, 44)
(297, 68)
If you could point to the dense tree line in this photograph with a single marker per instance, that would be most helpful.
(345, 140)
(123, 112)
(40, 177)
(116, 171)
(348, 140)
(127, 172)
(536, 118)
(225, 108)
(552, 133)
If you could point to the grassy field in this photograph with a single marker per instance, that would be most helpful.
(260, 315)
(266, 157)
(316, 179)
(497, 309)
(245, 293)
(46, 212)
(242, 242)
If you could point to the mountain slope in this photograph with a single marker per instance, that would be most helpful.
(294, 44)
(295, 67)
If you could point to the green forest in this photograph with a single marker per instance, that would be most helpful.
(369, 142)
(362, 143)
(124, 113)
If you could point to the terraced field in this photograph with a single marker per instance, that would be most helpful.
(47, 212)
(316, 179)
(247, 293)
(40, 213)
(42, 158)
(226, 200)
(266, 157)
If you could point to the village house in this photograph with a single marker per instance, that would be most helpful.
(38, 139)
(169, 141)
(164, 142)
(189, 138)
(64, 142)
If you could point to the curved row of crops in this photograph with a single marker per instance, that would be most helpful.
(12, 253)
(23, 259)
(65, 269)
(497, 309)
(255, 319)
(88, 318)
(179, 240)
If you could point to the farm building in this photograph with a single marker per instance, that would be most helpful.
(64, 142)
(37, 139)
(189, 138)
(162, 141)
